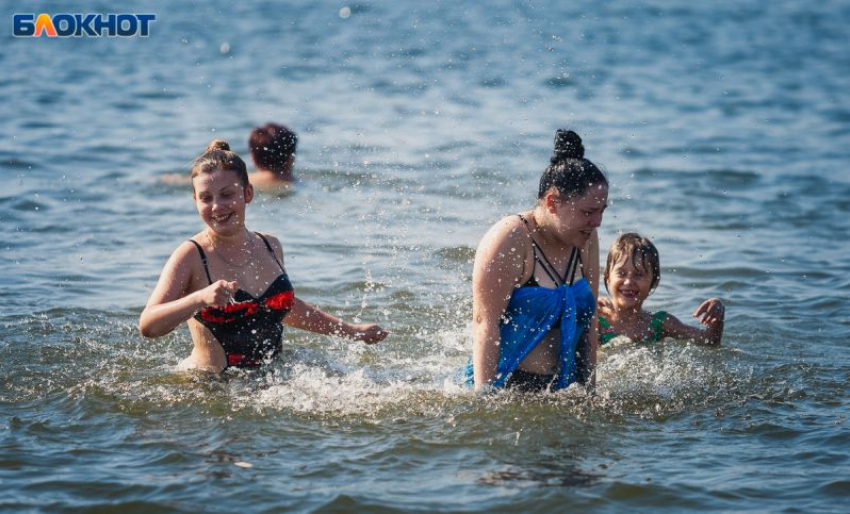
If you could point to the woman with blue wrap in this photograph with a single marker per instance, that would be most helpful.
(535, 281)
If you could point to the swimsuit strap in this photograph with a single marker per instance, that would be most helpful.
(572, 264)
(553, 274)
(203, 259)
(575, 259)
(271, 250)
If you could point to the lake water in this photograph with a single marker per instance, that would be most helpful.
(724, 128)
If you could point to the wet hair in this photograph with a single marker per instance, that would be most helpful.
(642, 252)
(271, 146)
(568, 171)
(218, 156)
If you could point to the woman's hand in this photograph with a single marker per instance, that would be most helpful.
(710, 311)
(218, 294)
(368, 333)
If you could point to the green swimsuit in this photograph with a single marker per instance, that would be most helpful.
(606, 332)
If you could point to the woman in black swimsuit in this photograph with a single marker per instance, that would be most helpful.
(229, 284)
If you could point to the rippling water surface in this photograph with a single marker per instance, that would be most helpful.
(724, 129)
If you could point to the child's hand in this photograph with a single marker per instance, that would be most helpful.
(604, 304)
(710, 311)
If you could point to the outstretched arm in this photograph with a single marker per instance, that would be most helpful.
(710, 313)
(310, 318)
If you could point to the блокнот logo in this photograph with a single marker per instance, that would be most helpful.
(82, 25)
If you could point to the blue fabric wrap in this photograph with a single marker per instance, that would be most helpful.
(530, 315)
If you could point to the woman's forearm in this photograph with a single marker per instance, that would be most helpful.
(485, 352)
(159, 320)
(310, 318)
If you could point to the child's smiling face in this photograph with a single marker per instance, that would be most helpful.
(629, 283)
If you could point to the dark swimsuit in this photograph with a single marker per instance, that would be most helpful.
(250, 329)
(526, 381)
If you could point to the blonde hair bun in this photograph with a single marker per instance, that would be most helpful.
(218, 144)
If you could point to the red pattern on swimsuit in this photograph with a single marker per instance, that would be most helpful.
(238, 311)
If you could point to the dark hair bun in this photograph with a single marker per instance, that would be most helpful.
(218, 144)
(567, 146)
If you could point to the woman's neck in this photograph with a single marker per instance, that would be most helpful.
(545, 237)
(237, 240)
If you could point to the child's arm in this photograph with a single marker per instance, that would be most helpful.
(710, 312)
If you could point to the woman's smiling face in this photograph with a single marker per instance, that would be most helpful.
(221, 199)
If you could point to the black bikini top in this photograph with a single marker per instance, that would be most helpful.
(540, 258)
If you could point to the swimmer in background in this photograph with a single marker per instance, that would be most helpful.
(632, 273)
(230, 284)
(272, 149)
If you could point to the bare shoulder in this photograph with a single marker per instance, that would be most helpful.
(187, 251)
(187, 259)
(182, 273)
(509, 230)
(502, 253)
(274, 242)
(507, 241)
